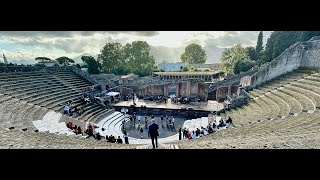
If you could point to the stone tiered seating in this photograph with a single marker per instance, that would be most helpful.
(289, 127)
(193, 124)
(283, 113)
(27, 96)
(17, 139)
(72, 79)
(50, 123)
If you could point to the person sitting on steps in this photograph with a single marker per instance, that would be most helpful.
(229, 120)
(119, 140)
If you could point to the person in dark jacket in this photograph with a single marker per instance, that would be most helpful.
(153, 133)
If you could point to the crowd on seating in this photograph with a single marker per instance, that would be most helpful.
(71, 109)
(90, 133)
(211, 128)
(76, 129)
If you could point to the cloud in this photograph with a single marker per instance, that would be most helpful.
(166, 54)
(137, 33)
(30, 44)
(35, 34)
(70, 34)
(26, 57)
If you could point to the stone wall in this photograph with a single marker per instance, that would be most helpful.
(183, 88)
(232, 80)
(85, 75)
(223, 91)
(123, 90)
(301, 54)
(192, 89)
(154, 90)
(107, 79)
(203, 90)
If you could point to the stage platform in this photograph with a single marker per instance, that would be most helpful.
(196, 106)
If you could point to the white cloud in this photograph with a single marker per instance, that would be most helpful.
(166, 45)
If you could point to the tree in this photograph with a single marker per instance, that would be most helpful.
(138, 58)
(233, 55)
(77, 65)
(185, 69)
(112, 59)
(230, 56)
(42, 59)
(243, 65)
(2, 64)
(193, 54)
(279, 41)
(259, 47)
(93, 65)
(251, 52)
(64, 60)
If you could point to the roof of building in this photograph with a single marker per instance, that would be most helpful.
(185, 73)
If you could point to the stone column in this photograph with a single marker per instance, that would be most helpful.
(165, 90)
(229, 90)
(188, 88)
(177, 88)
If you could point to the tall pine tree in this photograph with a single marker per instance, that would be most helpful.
(259, 45)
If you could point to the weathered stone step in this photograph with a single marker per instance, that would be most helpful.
(161, 146)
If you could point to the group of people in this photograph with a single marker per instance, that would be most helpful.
(76, 129)
(161, 99)
(169, 122)
(70, 109)
(112, 139)
(211, 128)
(86, 100)
(180, 100)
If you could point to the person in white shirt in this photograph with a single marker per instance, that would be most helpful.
(218, 119)
(139, 119)
(205, 132)
(66, 109)
(193, 135)
(172, 121)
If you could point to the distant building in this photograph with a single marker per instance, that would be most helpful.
(171, 66)
(214, 66)
(48, 63)
(204, 76)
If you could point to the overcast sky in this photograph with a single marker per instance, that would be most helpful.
(25, 46)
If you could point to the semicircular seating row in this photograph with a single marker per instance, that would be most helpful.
(27, 96)
(286, 107)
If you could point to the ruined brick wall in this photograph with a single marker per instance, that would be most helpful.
(154, 90)
(203, 90)
(183, 88)
(194, 92)
(122, 90)
(222, 93)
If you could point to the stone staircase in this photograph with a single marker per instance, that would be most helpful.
(193, 124)
(50, 123)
